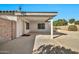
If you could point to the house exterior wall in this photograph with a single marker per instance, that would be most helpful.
(13, 29)
(26, 30)
(21, 27)
(34, 27)
(12, 26)
(7, 29)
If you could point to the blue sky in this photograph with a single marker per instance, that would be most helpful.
(66, 11)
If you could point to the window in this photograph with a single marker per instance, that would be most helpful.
(27, 25)
(41, 26)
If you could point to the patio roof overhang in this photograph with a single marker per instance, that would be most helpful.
(37, 16)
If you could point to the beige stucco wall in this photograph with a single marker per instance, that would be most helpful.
(25, 30)
(34, 27)
(21, 27)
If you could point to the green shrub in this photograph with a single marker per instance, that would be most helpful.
(72, 28)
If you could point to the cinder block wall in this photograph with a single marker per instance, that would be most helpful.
(13, 29)
(7, 29)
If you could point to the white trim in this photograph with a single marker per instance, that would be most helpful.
(37, 13)
(51, 29)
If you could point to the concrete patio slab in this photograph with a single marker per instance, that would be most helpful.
(21, 45)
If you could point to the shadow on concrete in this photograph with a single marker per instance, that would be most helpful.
(58, 34)
(51, 49)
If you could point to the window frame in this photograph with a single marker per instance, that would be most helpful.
(41, 25)
(27, 25)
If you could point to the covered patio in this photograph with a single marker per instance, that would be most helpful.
(29, 23)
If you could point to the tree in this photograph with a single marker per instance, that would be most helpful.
(60, 22)
(77, 22)
(71, 20)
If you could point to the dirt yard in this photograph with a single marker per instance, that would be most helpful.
(70, 40)
(66, 39)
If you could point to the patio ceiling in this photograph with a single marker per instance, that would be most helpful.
(36, 18)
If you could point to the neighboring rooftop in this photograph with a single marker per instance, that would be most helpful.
(7, 12)
(12, 12)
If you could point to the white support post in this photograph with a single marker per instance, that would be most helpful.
(51, 29)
